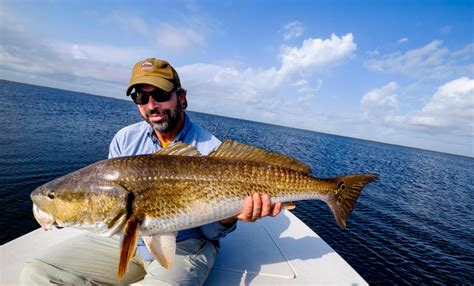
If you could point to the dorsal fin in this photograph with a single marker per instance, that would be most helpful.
(179, 149)
(239, 151)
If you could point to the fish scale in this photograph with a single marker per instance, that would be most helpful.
(184, 185)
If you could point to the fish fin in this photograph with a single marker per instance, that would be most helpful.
(288, 205)
(162, 247)
(117, 224)
(347, 191)
(129, 244)
(239, 151)
(179, 149)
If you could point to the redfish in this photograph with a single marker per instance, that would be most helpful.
(156, 195)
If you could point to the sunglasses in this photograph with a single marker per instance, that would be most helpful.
(158, 95)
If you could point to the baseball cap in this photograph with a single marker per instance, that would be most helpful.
(155, 72)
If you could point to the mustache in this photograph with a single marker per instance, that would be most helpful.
(156, 111)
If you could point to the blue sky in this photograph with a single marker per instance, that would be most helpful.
(399, 72)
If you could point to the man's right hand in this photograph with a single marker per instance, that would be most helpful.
(255, 207)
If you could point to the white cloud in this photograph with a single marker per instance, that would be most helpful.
(293, 30)
(98, 53)
(88, 67)
(403, 40)
(452, 106)
(419, 62)
(77, 53)
(69, 68)
(453, 98)
(56, 59)
(184, 36)
(178, 39)
(449, 111)
(432, 61)
(445, 121)
(303, 86)
(465, 53)
(380, 101)
(306, 90)
(243, 90)
(18, 63)
(316, 54)
(10, 23)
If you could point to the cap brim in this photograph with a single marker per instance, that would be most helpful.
(160, 83)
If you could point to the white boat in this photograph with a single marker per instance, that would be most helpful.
(272, 251)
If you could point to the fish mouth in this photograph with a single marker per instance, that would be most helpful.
(44, 219)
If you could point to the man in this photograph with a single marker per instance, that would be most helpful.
(91, 259)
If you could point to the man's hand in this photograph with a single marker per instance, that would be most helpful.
(255, 207)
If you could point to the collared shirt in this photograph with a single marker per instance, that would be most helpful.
(140, 138)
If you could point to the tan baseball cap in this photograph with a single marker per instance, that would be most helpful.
(155, 72)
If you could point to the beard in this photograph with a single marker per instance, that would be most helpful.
(173, 117)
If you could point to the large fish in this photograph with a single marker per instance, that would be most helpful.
(156, 195)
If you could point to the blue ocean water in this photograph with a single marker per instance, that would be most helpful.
(414, 226)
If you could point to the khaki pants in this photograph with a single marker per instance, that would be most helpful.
(91, 259)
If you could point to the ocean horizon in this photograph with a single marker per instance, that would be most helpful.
(413, 226)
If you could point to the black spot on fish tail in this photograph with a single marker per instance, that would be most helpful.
(342, 200)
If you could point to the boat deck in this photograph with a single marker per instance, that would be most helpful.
(272, 251)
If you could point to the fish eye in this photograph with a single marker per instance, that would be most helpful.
(51, 194)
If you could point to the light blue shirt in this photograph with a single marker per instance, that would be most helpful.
(139, 138)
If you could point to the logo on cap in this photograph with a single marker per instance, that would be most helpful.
(147, 66)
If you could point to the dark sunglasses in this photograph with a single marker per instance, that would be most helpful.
(158, 95)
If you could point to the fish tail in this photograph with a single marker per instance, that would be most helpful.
(348, 188)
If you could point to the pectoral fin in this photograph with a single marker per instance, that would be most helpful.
(162, 247)
(129, 244)
(116, 225)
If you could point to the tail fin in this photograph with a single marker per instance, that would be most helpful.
(347, 191)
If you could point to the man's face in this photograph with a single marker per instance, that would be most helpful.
(162, 116)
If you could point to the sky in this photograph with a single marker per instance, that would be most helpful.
(399, 72)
